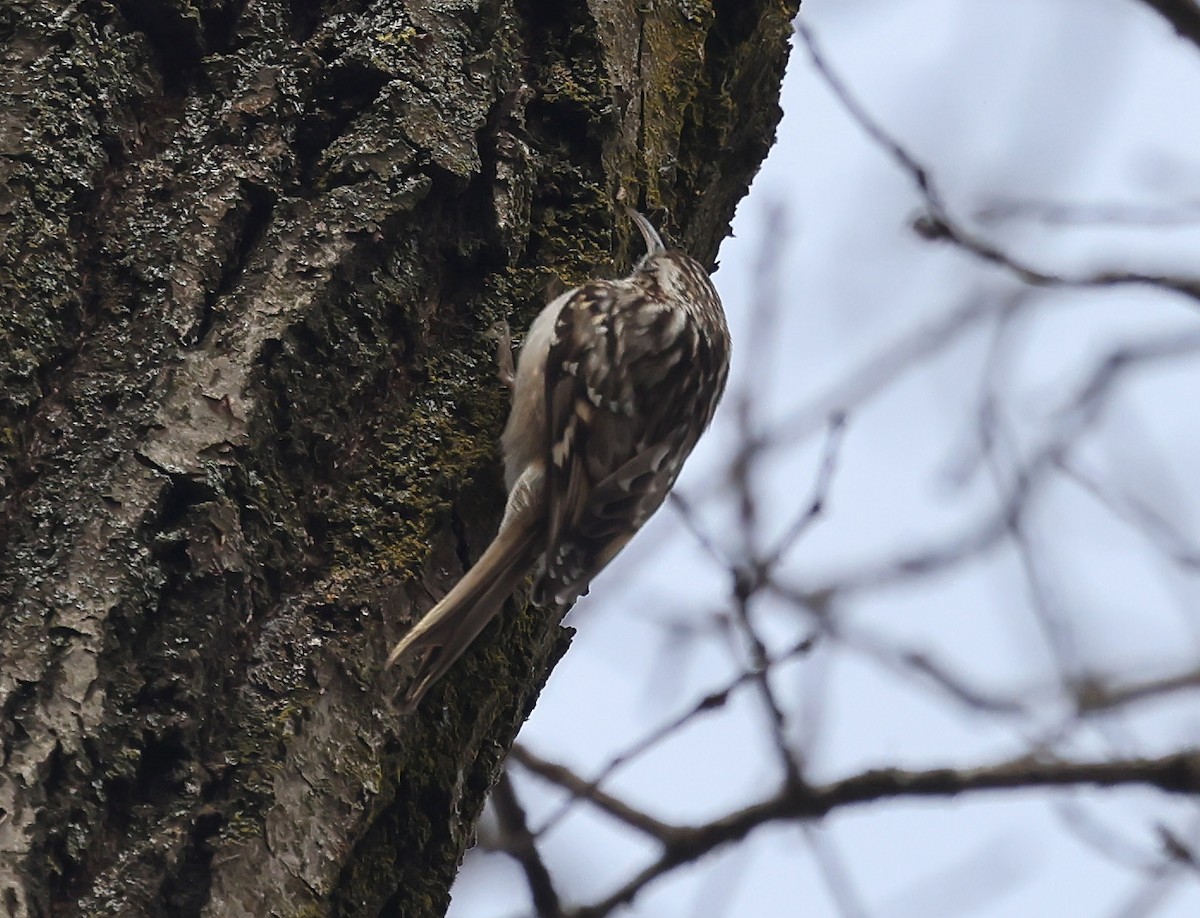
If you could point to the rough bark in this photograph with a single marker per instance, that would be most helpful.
(248, 414)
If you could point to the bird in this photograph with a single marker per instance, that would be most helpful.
(614, 383)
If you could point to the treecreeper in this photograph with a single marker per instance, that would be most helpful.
(615, 382)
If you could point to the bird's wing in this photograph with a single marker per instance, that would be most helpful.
(624, 380)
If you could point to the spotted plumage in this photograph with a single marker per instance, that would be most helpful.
(615, 383)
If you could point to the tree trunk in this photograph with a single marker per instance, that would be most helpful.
(248, 413)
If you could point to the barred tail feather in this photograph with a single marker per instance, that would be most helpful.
(449, 627)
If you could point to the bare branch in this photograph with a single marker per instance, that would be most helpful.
(1158, 531)
(1182, 15)
(1105, 697)
(920, 175)
(833, 870)
(519, 842)
(938, 223)
(1060, 213)
(760, 675)
(1178, 773)
(586, 790)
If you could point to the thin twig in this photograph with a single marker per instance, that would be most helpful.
(820, 492)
